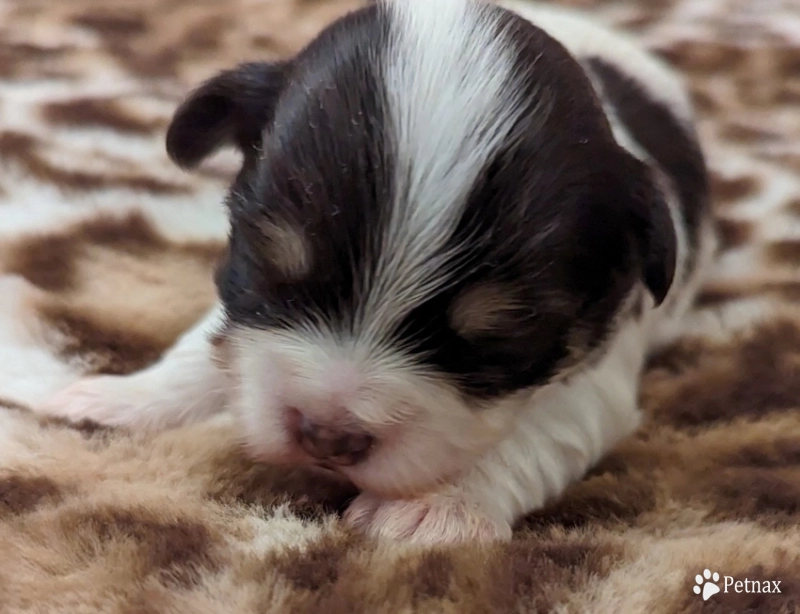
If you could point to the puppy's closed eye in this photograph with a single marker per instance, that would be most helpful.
(482, 309)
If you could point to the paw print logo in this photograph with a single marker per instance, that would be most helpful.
(707, 583)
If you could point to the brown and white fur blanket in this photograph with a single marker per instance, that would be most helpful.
(105, 253)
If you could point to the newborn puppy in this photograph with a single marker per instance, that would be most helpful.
(455, 235)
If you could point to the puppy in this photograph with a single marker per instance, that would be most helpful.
(457, 231)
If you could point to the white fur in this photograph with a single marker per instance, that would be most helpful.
(426, 432)
(442, 136)
(569, 427)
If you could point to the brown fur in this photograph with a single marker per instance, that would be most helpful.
(479, 309)
(110, 267)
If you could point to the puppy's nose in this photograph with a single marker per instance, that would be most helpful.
(340, 446)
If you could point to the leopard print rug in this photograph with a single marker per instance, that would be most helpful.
(105, 253)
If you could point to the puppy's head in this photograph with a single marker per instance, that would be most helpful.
(432, 221)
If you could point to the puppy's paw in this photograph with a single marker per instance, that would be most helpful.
(109, 400)
(437, 518)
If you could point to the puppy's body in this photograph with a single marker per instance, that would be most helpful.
(453, 242)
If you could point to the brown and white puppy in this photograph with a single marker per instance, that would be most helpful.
(456, 233)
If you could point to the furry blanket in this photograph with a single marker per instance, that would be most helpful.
(105, 257)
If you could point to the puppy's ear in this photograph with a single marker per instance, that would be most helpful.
(232, 108)
(654, 230)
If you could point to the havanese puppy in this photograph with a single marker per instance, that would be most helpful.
(457, 231)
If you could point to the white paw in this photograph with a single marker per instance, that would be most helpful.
(109, 400)
(429, 520)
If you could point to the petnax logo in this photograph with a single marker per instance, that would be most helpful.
(708, 584)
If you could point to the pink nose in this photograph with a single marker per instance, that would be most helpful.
(340, 446)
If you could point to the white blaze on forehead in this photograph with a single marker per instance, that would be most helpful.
(451, 102)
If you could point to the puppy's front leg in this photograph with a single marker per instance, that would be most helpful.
(454, 514)
(185, 385)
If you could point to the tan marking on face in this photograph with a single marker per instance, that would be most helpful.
(286, 248)
(481, 309)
